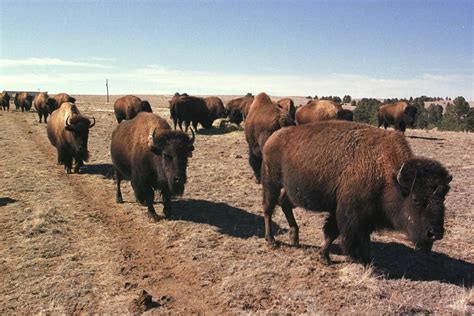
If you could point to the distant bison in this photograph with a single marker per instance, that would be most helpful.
(23, 101)
(68, 131)
(263, 119)
(371, 181)
(147, 151)
(5, 100)
(44, 105)
(216, 108)
(63, 97)
(237, 109)
(345, 114)
(190, 109)
(127, 107)
(288, 105)
(399, 114)
(317, 110)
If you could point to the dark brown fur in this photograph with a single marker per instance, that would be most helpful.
(350, 170)
(238, 108)
(190, 109)
(5, 100)
(68, 131)
(23, 101)
(216, 108)
(153, 156)
(44, 105)
(263, 119)
(63, 97)
(288, 105)
(317, 110)
(399, 114)
(345, 114)
(127, 107)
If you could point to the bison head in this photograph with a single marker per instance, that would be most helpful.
(409, 115)
(424, 184)
(51, 105)
(235, 116)
(79, 127)
(172, 148)
(145, 106)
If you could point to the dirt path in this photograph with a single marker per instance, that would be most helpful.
(67, 246)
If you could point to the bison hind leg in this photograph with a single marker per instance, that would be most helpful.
(287, 208)
(256, 164)
(331, 232)
(118, 194)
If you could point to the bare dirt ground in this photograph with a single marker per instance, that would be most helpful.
(67, 247)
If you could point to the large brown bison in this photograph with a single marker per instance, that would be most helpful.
(127, 107)
(288, 105)
(153, 156)
(5, 100)
(370, 181)
(263, 119)
(23, 101)
(399, 114)
(190, 109)
(44, 105)
(68, 131)
(345, 114)
(60, 98)
(216, 108)
(237, 109)
(317, 110)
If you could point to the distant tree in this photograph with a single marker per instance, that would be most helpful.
(411, 99)
(315, 97)
(353, 103)
(366, 111)
(456, 116)
(347, 99)
(249, 94)
(435, 115)
(470, 120)
(336, 99)
(421, 117)
(309, 97)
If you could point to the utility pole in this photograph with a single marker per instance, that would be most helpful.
(107, 87)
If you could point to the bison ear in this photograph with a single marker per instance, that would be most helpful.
(403, 181)
(155, 143)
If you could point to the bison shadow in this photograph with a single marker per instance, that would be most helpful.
(223, 128)
(400, 261)
(229, 220)
(426, 138)
(6, 200)
(104, 169)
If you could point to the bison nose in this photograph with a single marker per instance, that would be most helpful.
(178, 179)
(435, 234)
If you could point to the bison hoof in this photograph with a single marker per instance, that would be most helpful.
(68, 170)
(324, 258)
(153, 216)
(273, 244)
(119, 199)
(167, 212)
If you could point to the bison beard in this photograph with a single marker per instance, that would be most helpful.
(371, 182)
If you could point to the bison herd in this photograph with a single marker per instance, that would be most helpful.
(313, 157)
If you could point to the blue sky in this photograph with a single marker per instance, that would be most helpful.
(396, 48)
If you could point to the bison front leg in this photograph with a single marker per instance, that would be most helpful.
(287, 208)
(118, 193)
(166, 196)
(144, 195)
(355, 235)
(79, 164)
(256, 164)
(270, 199)
(331, 232)
(67, 159)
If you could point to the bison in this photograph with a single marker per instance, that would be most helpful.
(68, 131)
(127, 107)
(263, 119)
(345, 114)
(23, 101)
(317, 110)
(44, 105)
(153, 156)
(190, 109)
(288, 105)
(5, 100)
(237, 109)
(216, 108)
(63, 97)
(372, 181)
(399, 114)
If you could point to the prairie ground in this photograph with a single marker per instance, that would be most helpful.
(67, 247)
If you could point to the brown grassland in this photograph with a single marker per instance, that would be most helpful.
(67, 247)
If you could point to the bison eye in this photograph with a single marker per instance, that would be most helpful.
(419, 203)
(168, 157)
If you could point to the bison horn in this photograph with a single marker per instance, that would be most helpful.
(67, 122)
(399, 175)
(192, 138)
(92, 125)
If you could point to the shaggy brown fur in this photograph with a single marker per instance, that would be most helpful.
(238, 108)
(346, 115)
(317, 110)
(399, 114)
(190, 109)
(68, 131)
(5, 100)
(350, 170)
(127, 107)
(23, 101)
(153, 156)
(288, 105)
(63, 97)
(263, 119)
(44, 105)
(216, 108)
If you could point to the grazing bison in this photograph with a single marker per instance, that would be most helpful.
(44, 105)
(68, 131)
(372, 181)
(317, 110)
(238, 108)
(263, 119)
(399, 114)
(216, 108)
(190, 109)
(127, 107)
(23, 101)
(63, 97)
(5, 100)
(153, 156)
(345, 114)
(288, 105)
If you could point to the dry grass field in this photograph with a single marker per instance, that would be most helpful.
(67, 247)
